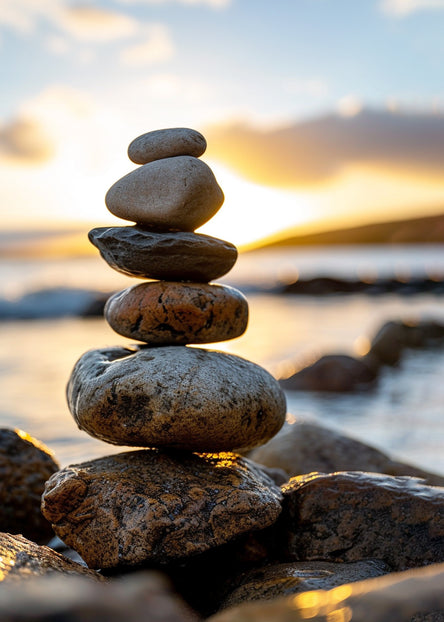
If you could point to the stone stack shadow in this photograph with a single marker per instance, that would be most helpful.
(189, 408)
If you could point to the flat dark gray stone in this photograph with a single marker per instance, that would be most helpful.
(170, 256)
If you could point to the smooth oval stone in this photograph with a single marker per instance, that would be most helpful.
(171, 194)
(172, 256)
(174, 396)
(168, 313)
(156, 506)
(166, 143)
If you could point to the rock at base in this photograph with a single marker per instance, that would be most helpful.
(415, 595)
(154, 506)
(25, 465)
(349, 516)
(142, 596)
(171, 256)
(22, 559)
(276, 580)
(175, 396)
(169, 313)
(304, 447)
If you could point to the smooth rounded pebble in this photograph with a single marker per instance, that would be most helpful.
(172, 256)
(175, 396)
(166, 143)
(168, 313)
(171, 194)
(152, 505)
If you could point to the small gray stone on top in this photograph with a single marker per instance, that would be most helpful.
(166, 143)
(171, 194)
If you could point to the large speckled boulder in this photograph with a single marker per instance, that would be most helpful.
(146, 596)
(175, 396)
(171, 256)
(22, 559)
(171, 194)
(166, 313)
(25, 465)
(157, 506)
(412, 596)
(304, 447)
(274, 580)
(167, 143)
(348, 516)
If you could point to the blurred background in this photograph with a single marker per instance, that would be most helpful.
(325, 128)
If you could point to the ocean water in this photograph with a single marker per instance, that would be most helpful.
(403, 414)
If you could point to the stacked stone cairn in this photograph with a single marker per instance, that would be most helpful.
(185, 492)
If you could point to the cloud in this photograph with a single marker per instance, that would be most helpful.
(403, 8)
(157, 46)
(24, 141)
(318, 150)
(214, 4)
(94, 24)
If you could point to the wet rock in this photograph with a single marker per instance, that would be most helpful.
(272, 581)
(353, 515)
(415, 595)
(174, 396)
(305, 447)
(22, 559)
(335, 372)
(25, 465)
(142, 596)
(388, 344)
(166, 143)
(153, 506)
(168, 312)
(178, 256)
(171, 194)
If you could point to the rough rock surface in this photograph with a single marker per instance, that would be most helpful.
(276, 580)
(22, 559)
(142, 596)
(172, 256)
(25, 465)
(412, 596)
(175, 141)
(175, 396)
(157, 506)
(305, 447)
(353, 515)
(168, 313)
(170, 194)
(337, 373)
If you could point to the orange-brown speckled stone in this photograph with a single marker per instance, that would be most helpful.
(155, 506)
(168, 313)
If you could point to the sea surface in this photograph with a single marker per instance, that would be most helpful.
(403, 415)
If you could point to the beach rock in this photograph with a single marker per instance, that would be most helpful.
(22, 559)
(335, 372)
(275, 580)
(169, 312)
(177, 141)
(178, 256)
(388, 344)
(348, 516)
(175, 396)
(142, 596)
(412, 596)
(156, 506)
(171, 194)
(25, 465)
(305, 447)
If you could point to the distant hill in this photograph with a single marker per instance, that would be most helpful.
(429, 229)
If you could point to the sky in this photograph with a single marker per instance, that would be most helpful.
(317, 113)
